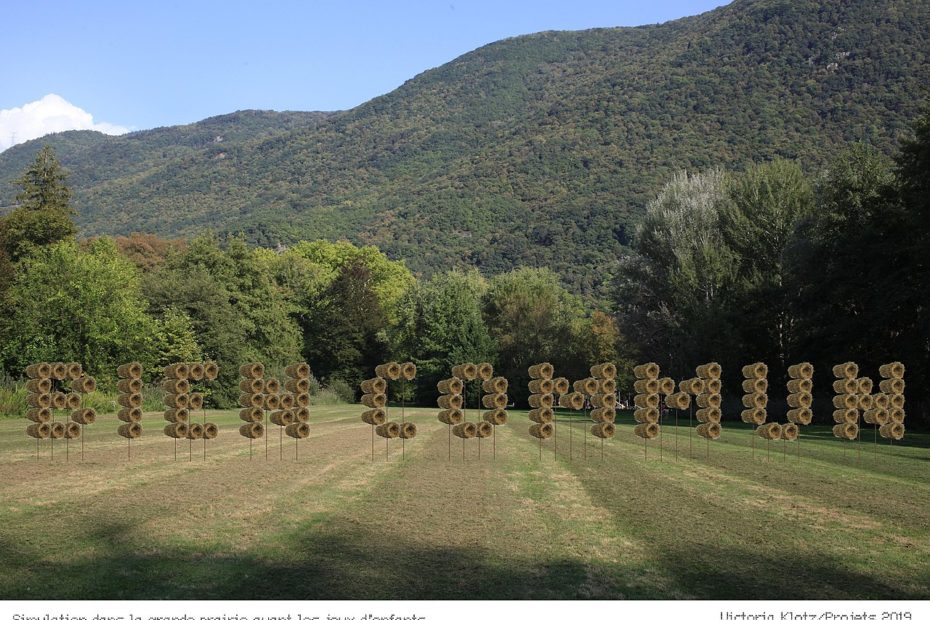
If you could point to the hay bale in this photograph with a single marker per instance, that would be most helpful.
(465, 430)
(604, 386)
(253, 430)
(272, 386)
(864, 385)
(544, 370)
(709, 414)
(132, 430)
(545, 401)
(282, 417)
(195, 431)
(301, 414)
(666, 386)
(800, 386)
(881, 401)
(845, 401)
(755, 400)
(801, 400)
(876, 416)
(709, 430)
(892, 386)
(892, 430)
(252, 415)
(789, 432)
(176, 386)
(800, 416)
(297, 430)
(542, 415)
(272, 402)
(300, 370)
(252, 370)
(713, 386)
(42, 370)
(646, 431)
(177, 431)
(845, 416)
(678, 400)
(211, 370)
(129, 386)
(39, 414)
(894, 370)
(646, 415)
(132, 370)
(896, 401)
(302, 386)
(498, 417)
(865, 401)
(177, 371)
(450, 401)
(710, 370)
(374, 417)
(302, 400)
(542, 386)
(846, 370)
(604, 430)
(604, 415)
(59, 400)
(450, 386)
(573, 400)
(484, 429)
(42, 430)
(562, 386)
(542, 431)
(753, 415)
(485, 371)
(645, 386)
(68, 430)
(804, 370)
(465, 372)
(73, 371)
(896, 415)
(286, 400)
(604, 370)
(369, 386)
(649, 370)
(604, 400)
(588, 386)
(495, 385)
(846, 431)
(39, 386)
(252, 400)
(752, 386)
(210, 430)
(757, 370)
(376, 401)
(196, 371)
(451, 416)
(845, 386)
(59, 373)
(134, 414)
(494, 401)
(72, 401)
(709, 400)
(195, 400)
(39, 401)
(770, 431)
(692, 386)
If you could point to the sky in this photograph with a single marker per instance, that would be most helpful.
(117, 66)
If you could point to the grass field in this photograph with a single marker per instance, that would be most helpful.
(840, 522)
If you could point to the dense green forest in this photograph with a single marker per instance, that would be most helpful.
(535, 151)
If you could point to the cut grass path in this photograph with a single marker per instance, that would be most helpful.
(842, 522)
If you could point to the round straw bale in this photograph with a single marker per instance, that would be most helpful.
(59, 373)
(542, 386)
(666, 386)
(282, 417)
(754, 415)
(450, 401)
(483, 429)
(713, 386)
(604, 386)
(755, 400)
(39, 414)
(272, 402)
(604, 370)
(845, 416)
(709, 400)
(196, 371)
(252, 400)
(498, 417)
(604, 430)
(485, 371)
(544, 370)
(494, 401)
(59, 400)
(694, 386)
(176, 386)
(374, 417)
(73, 371)
(802, 400)
(297, 430)
(604, 400)
(495, 385)
(451, 416)
(301, 414)
(771, 431)
(709, 430)
(896, 401)
(388, 430)
(252, 370)
(465, 430)
(131, 414)
(272, 386)
(881, 401)
(72, 400)
(376, 401)
(195, 431)
(132, 370)
(543, 415)
(561, 385)
(751, 386)
(845, 401)
(39, 386)
(302, 386)
(302, 400)
(758, 370)
(678, 400)
(604, 414)
(450, 386)
(572, 400)
(845, 386)
(541, 400)
(865, 401)
(465, 372)
(179, 401)
(800, 386)
(39, 401)
(789, 432)
(804, 370)
(131, 430)
(42, 430)
(892, 430)
(177, 371)
(864, 385)
(542, 430)
(253, 415)
(846, 430)
(846, 370)
(875, 416)
(42, 370)
(892, 386)
(647, 430)
(646, 415)
(252, 386)
(129, 386)
(210, 430)
(647, 400)
(709, 414)
(896, 415)
(646, 386)
(176, 431)
(588, 386)
(300, 370)
(211, 370)
(389, 370)
(894, 370)
(408, 430)
(710, 370)
(801, 416)
(253, 430)
(649, 370)
(369, 386)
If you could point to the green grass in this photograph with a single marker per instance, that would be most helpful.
(842, 521)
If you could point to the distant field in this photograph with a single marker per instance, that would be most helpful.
(841, 522)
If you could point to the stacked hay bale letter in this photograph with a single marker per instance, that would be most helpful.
(58, 386)
(296, 399)
(450, 403)
(706, 388)
(800, 399)
(467, 430)
(494, 399)
(892, 396)
(252, 401)
(374, 397)
(846, 401)
(756, 401)
(129, 398)
(541, 400)
(181, 401)
(604, 400)
(647, 387)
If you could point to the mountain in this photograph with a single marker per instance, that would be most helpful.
(535, 150)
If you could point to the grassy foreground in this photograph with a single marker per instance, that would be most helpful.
(836, 523)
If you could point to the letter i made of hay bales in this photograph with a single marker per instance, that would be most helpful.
(450, 403)
(495, 400)
(706, 389)
(541, 401)
(375, 399)
(604, 402)
(891, 397)
(182, 400)
(800, 400)
(755, 402)
(648, 387)
(846, 401)
(61, 387)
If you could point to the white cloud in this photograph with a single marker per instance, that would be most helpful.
(50, 114)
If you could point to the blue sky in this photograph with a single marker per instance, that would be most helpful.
(145, 64)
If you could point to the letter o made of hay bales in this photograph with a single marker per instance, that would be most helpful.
(374, 401)
(42, 370)
(605, 370)
(892, 430)
(573, 400)
(252, 415)
(195, 431)
(604, 400)
(646, 430)
(283, 417)
(483, 429)
(710, 370)
(134, 414)
(709, 430)
(72, 400)
(604, 430)
(692, 386)
(177, 431)
(450, 386)
(801, 416)
(845, 386)
(495, 385)
(897, 415)
(59, 371)
(537, 401)
(678, 400)
(604, 386)
(845, 416)
(300, 370)
(41, 430)
(408, 430)
(647, 386)
(297, 430)
(770, 431)
(666, 386)
(646, 415)
(892, 386)
(894, 370)
(131, 430)
(211, 370)
(649, 370)
(800, 386)
(451, 416)
(132, 370)
(210, 430)
(846, 431)
(371, 386)
(588, 386)
(543, 415)
(802, 400)
(177, 371)
(253, 430)
(388, 430)
(465, 430)
(177, 401)
(758, 370)
(755, 400)
(39, 415)
(465, 372)
(253, 370)
(545, 370)
(252, 386)
(301, 414)
(604, 414)
(542, 430)
(789, 432)
(846, 370)
(751, 386)
(302, 386)
(485, 371)
(498, 417)
(804, 370)
(450, 401)
(374, 417)
(845, 401)
(39, 386)
(196, 371)
(542, 386)
(709, 400)
(494, 401)
(753, 416)
(709, 414)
